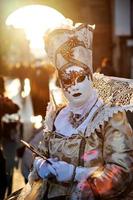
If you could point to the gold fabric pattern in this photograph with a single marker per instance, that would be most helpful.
(115, 91)
(117, 154)
(44, 147)
(71, 47)
(65, 148)
(66, 48)
(67, 51)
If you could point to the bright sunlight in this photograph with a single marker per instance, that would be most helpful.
(35, 20)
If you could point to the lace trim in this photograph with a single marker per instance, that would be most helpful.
(104, 115)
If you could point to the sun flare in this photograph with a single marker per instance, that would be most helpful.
(35, 20)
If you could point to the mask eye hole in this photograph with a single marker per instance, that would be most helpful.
(81, 78)
(67, 81)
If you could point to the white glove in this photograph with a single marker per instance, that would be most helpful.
(63, 170)
(82, 173)
(43, 168)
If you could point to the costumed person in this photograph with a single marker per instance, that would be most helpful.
(89, 142)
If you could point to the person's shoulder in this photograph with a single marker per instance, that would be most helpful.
(51, 114)
(107, 113)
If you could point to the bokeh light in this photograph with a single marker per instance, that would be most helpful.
(35, 20)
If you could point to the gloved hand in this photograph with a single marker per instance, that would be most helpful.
(43, 168)
(62, 170)
(82, 173)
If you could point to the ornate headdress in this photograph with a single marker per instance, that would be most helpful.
(71, 45)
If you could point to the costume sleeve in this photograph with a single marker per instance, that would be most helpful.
(43, 145)
(116, 175)
(48, 128)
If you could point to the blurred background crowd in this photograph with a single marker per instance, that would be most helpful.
(26, 80)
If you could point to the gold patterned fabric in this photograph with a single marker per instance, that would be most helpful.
(112, 143)
(114, 91)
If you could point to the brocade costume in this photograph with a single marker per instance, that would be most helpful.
(96, 137)
(106, 143)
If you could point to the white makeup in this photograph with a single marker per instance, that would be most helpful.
(76, 85)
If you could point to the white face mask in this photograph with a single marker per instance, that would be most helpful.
(76, 85)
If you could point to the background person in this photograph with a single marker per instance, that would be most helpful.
(106, 67)
(7, 106)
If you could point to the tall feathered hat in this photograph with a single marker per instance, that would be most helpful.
(70, 45)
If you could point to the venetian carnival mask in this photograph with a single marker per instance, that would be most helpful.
(76, 84)
(69, 48)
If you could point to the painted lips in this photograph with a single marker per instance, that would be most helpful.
(76, 94)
